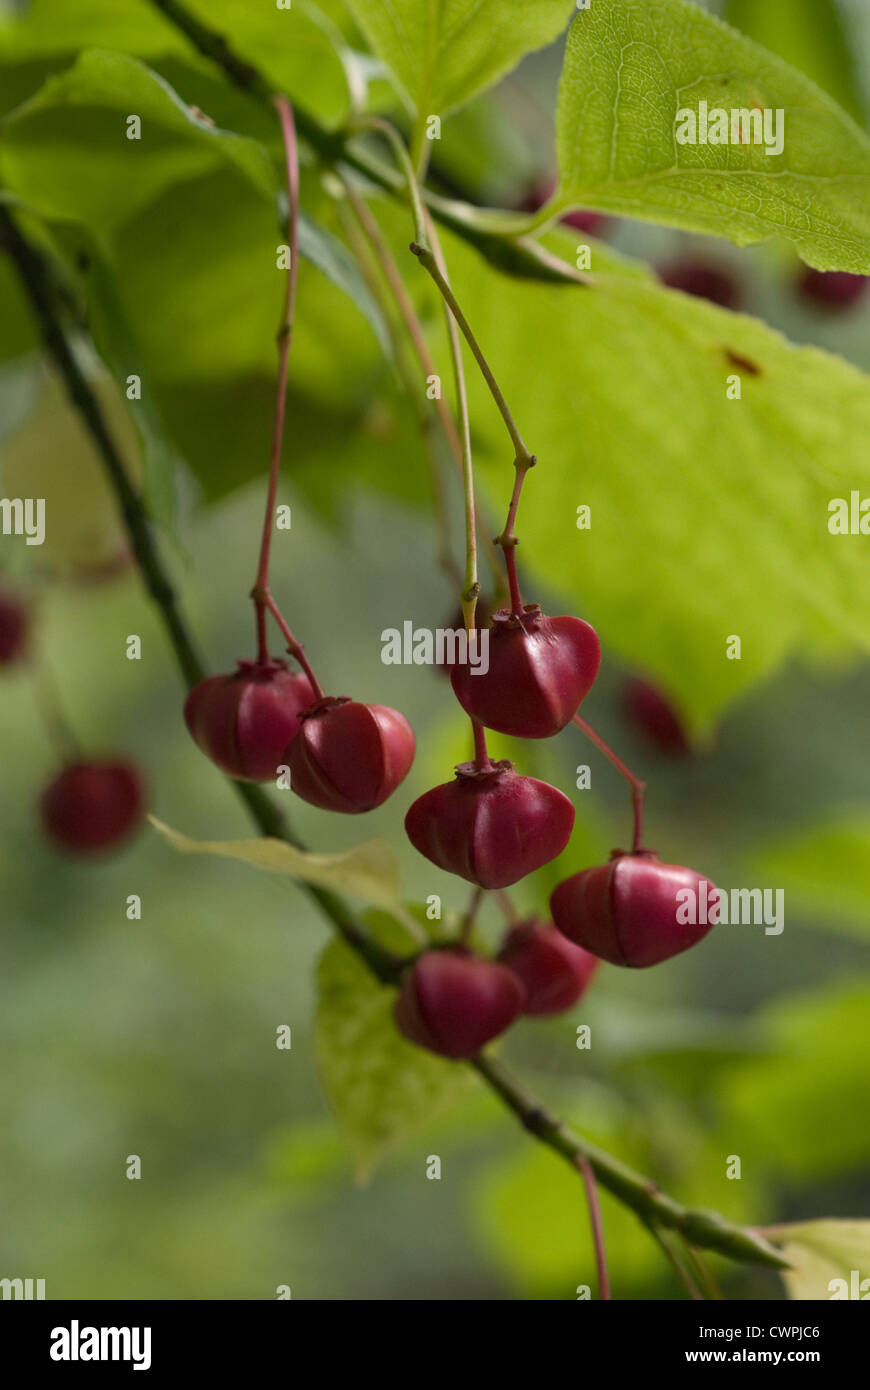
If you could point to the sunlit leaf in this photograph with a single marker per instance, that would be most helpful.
(631, 66)
(809, 34)
(829, 1259)
(380, 1086)
(369, 871)
(442, 52)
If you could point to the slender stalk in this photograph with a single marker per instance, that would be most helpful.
(594, 1205)
(507, 907)
(284, 339)
(638, 788)
(426, 257)
(51, 711)
(472, 584)
(261, 593)
(469, 918)
(414, 328)
(703, 1229)
(675, 1254)
(513, 254)
(427, 249)
(363, 249)
(701, 1272)
(508, 541)
(431, 260)
(403, 159)
(481, 755)
(294, 647)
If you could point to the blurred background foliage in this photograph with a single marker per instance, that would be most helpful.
(158, 1037)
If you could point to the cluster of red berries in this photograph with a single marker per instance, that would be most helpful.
(490, 825)
(92, 805)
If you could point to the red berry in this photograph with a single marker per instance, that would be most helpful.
(629, 912)
(453, 1003)
(14, 626)
(349, 757)
(833, 289)
(554, 971)
(704, 281)
(244, 721)
(490, 825)
(654, 718)
(540, 669)
(92, 806)
(482, 619)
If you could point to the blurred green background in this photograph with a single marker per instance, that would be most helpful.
(157, 1037)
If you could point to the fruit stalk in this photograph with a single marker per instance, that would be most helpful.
(386, 261)
(426, 257)
(261, 594)
(472, 584)
(515, 255)
(638, 788)
(588, 1175)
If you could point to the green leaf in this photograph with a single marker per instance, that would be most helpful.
(117, 345)
(816, 1071)
(829, 1259)
(52, 455)
(809, 34)
(369, 871)
(295, 48)
(708, 515)
(332, 257)
(207, 324)
(380, 1086)
(442, 52)
(631, 65)
(66, 152)
(826, 870)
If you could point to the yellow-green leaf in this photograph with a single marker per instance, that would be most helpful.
(632, 66)
(380, 1086)
(829, 1259)
(369, 871)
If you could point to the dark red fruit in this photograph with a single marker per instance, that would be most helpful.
(540, 669)
(92, 806)
(349, 757)
(655, 719)
(554, 971)
(833, 289)
(14, 627)
(453, 1003)
(703, 280)
(490, 825)
(628, 911)
(245, 721)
